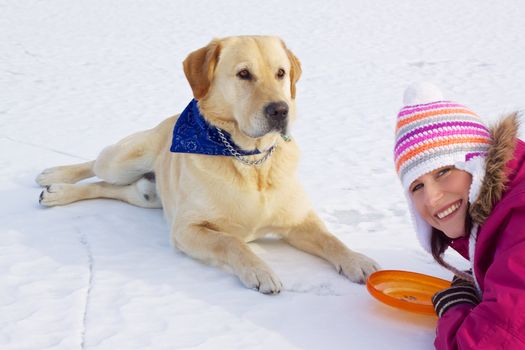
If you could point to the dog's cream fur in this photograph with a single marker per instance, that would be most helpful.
(216, 204)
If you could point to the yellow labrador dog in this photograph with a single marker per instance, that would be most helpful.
(217, 202)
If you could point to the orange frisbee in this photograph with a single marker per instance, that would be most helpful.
(405, 290)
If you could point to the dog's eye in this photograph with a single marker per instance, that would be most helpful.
(244, 74)
(280, 73)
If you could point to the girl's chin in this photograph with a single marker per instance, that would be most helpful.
(454, 234)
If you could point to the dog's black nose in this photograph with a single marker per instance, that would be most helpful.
(276, 110)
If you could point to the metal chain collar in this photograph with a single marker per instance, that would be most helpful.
(241, 158)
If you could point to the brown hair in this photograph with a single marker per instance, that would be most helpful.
(439, 242)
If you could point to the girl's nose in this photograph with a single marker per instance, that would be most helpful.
(432, 194)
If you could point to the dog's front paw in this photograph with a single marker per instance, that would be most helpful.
(56, 194)
(261, 278)
(357, 267)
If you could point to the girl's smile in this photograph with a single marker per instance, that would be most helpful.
(449, 210)
(441, 198)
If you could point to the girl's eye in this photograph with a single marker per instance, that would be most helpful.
(244, 74)
(443, 172)
(417, 187)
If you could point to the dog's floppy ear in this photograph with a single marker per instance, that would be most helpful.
(295, 70)
(199, 68)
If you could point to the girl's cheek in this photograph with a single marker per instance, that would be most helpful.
(417, 201)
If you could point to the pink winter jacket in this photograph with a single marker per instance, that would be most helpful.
(498, 322)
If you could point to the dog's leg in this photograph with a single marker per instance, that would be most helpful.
(141, 193)
(121, 164)
(66, 174)
(126, 161)
(217, 248)
(313, 237)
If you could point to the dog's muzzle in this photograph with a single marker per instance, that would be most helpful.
(277, 115)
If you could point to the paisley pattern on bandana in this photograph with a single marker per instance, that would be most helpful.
(193, 134)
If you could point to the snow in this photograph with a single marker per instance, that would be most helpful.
(100, 274)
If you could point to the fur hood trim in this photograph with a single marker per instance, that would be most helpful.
(501, 150)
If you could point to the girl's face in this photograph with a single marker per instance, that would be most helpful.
(441, 198)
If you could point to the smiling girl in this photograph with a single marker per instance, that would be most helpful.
(465, 186)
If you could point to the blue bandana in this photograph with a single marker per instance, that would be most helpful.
(193, 134)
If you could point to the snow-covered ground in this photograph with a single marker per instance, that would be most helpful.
(78, 75)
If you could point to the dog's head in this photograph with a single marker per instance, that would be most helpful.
(249, 80)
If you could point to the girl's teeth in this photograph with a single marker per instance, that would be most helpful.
(448, 211)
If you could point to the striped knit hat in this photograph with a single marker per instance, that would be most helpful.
(432, 133)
